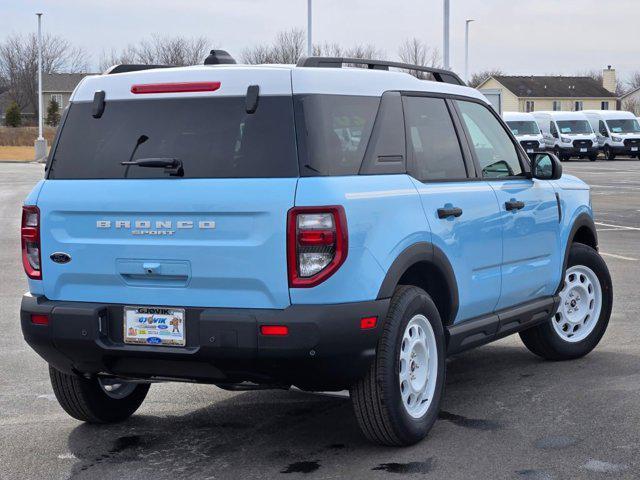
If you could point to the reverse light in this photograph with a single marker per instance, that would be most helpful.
(316, 244)
(178, 87)
(30, 238)
(274, 330)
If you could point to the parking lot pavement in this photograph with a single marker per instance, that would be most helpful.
(506, 414)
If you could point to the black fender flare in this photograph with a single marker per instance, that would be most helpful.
(582, 220)
(422, 252)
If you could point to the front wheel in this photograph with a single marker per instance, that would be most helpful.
(97, 400)
(608, 153)
(593, 157)
(398, 400)
(583, 314)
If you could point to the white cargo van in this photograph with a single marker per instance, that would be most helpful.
(526, 130)
(618, 132)
(568, 134)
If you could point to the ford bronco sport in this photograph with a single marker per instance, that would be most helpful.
(314, 226)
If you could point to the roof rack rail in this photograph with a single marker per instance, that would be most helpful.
(133, 67)
(445, 76)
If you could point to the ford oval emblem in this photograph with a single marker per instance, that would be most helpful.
(154, 340)
(60, 257)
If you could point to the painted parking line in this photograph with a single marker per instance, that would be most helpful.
(619, 257)
(610, 229)
(621, 227)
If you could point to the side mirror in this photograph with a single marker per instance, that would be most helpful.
(555, 134)
(546, 166)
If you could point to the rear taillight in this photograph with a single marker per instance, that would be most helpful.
(30, 235)
(316, 244)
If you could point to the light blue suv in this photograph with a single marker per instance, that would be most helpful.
(324, 227)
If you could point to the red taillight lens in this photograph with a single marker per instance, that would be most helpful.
(39, 319)
(316, 244)
(368, 322)
(30, 236)
(274, 330)
(179, 87)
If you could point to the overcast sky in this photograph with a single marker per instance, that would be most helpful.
(519, 36)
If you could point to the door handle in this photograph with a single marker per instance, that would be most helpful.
(449, 212)
(514, 205)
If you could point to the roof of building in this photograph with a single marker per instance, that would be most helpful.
(554, 87)
(61, 82)
(630, 92)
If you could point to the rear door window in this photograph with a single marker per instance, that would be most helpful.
(333, 132)
(212, 137)
(432, 143)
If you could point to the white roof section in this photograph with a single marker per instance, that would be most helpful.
(518, 116)
(272, 79)
(611, 114)
(579, 115)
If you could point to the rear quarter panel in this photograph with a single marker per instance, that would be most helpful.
(384, 217)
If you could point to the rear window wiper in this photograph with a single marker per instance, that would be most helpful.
(172, 166)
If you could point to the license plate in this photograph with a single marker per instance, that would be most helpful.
(529, 150)
(154, 326)
(583, 150)
(634, 149)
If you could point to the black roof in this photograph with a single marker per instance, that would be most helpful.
(554, 86)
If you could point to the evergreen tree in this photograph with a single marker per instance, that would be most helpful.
(53, 113)
(12, 117)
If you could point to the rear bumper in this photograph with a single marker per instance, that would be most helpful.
(325, 349)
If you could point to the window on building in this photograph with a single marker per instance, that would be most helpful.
(557, 105)
(57, 97)
(529, 106)
(604, 105)
(578, 105)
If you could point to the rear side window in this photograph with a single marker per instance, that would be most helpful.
(432, 143)
(333, 132)
(496, 153)
(212, 137)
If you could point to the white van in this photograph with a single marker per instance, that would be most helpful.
(568, 134)
(526, 130)
(618, 132)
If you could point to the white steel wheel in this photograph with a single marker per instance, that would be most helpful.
(418, 366)
(580, 304)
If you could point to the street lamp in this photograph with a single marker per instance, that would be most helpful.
(40, 144)
(445, 40)
(466, 49)
(309, 24)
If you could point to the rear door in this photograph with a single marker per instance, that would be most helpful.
(529, 210)
(462, 213)
(214, 237)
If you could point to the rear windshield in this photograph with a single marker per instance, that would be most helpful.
(212, 137)
(333, 132)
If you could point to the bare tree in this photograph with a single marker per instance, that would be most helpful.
(328, 50)
(632, 105)
(479, 77)
(160, 50)
(416, 52)
(19, 64)
(633, 82)
(597, 76)
(288, 47)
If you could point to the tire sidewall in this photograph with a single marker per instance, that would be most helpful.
(409, 429)
(588, 257)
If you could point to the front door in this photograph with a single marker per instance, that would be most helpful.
(463, 214)
(529, 211)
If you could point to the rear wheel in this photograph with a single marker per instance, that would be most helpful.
(398, 401)
(97, 400)
(583, 314)
(608, 153)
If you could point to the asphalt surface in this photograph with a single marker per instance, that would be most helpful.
(506, 414)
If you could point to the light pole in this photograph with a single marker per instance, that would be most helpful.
(466, 49)
(445, 41)
(40, 144)
(309, 25)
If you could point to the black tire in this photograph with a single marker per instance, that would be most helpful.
(558, 153)
(544, 341)
(86, 401)
(608, 153)
(376, 398)
(593, 157)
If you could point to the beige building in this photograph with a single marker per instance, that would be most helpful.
(58, 87)
(630, 101)
(535, 93)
